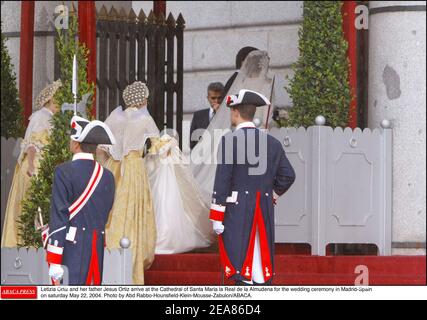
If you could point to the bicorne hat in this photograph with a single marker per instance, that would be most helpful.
(245, 97)
(91, 132)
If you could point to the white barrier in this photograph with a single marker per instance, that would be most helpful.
(343, 188)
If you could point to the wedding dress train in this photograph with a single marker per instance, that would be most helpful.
(182, 216)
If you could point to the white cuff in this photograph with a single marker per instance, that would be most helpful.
(217, 207)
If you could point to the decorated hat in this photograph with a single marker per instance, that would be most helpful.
(135, 93)
(47, 94)
(91, 132)
(247, 97)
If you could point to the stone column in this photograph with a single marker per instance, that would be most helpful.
(397, 91)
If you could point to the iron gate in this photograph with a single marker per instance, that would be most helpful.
(149, 49)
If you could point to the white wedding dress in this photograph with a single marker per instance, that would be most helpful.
(182, 215)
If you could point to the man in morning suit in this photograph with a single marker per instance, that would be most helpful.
(202, 118)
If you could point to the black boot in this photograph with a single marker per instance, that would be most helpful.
(267, 283)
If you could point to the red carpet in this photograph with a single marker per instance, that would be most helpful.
(204, 269)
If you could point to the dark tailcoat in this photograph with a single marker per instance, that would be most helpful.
(200, 121)
(78, 243)
(244, 199)
(230, 82)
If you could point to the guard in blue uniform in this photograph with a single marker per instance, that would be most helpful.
(252, 172)
(82, 197)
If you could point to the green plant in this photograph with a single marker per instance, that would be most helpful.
(320, 84)
(57, 149)
(12, 125)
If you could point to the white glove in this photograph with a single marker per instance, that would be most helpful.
(56, 271)
(165, 150)
(218, 227)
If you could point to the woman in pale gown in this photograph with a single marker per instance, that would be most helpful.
(36, 138)
(132, 215)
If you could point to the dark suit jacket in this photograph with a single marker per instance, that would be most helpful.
(200, 121)
(229, 83)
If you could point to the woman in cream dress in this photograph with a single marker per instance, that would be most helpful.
(36, 137)
(132, 215)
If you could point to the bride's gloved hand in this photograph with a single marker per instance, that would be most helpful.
(167, 143)
(218, 227)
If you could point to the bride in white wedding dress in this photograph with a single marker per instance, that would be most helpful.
(182, 216)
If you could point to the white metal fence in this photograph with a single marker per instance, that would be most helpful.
(343, 188)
